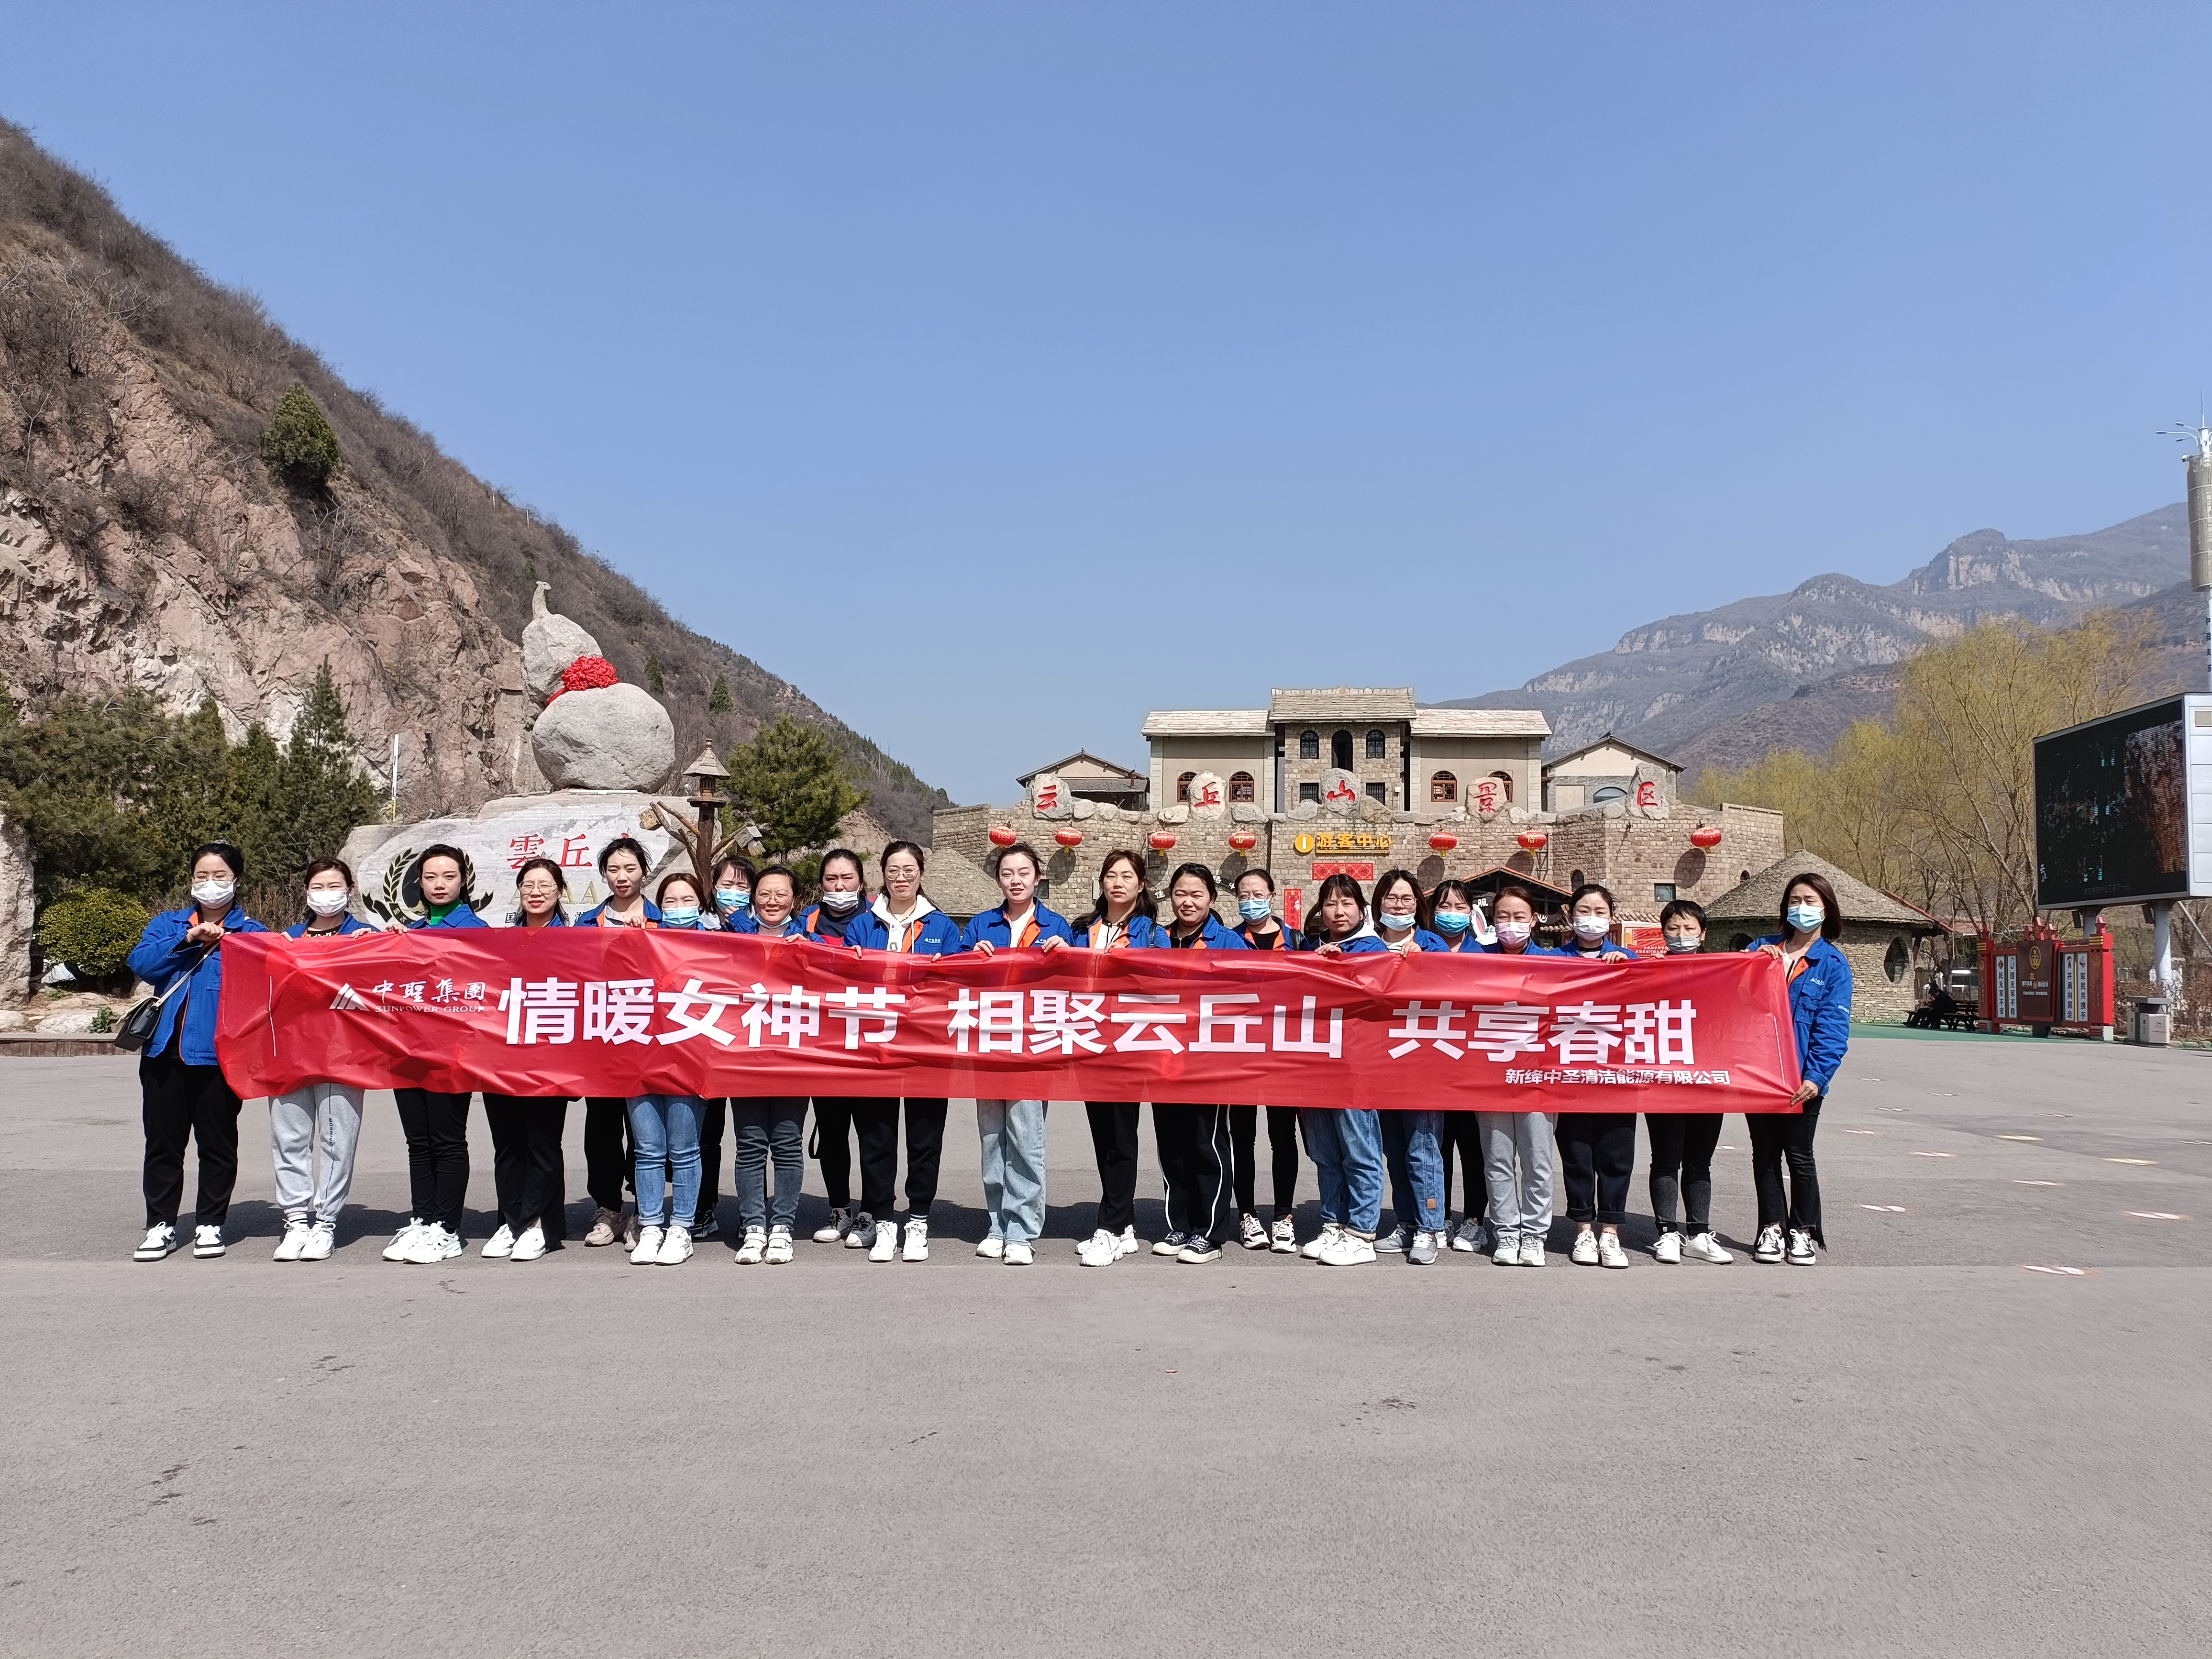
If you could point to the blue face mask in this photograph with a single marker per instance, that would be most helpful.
(1453, 921)
(1807, 918)
(679, 915)
(1254, 909)
(734, 898)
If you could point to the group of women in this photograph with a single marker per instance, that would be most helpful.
(666, 1149)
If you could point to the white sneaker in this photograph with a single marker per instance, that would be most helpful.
(1532, 1250)
(1322, 1240)
(500, 1244)
(157, 1245)
(1250, 1233)
(433, 1244)
(993, 1246)
(1347, 1250)
(674, 1248)
(1609, 1253)
(530, 1245)
(1468, 1239)
(1508, 1253)
(404, 1240)
(755, 1245)
(647, 1252)
(1101, 1250)
(207, 1242)
(294, 1242)
(1801, 1248)
(860, 1232)
(1769, 1246)
(1669, 1249)
(778, 1253)
(1584, 1254)
(1019, 1255)
(1394, 1241)
(322, 1239)
(1283, 1236)
(1127, 1243)
(1703, 1247)
(886, 1244)
(917, 1240)
(840, 1223)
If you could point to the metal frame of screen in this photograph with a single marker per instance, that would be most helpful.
(2123, 807)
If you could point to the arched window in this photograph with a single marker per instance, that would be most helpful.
(1240, 786)
(1896, 963)
(1377, 749)
(1309, 745)
(1611, 792)
(1182, 787)
(1505, 782)
(1443, 788)
(1340, 751)
(1574, 879)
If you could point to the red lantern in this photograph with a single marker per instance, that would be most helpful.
(1163, 841)
(1003, 837)
(1243, 840)
(1444, 840)
(1534, 840)
(1069, 837)
(1706, 835)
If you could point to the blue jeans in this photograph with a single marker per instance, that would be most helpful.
(769, 1125)
(1013, 1133)
(1346, 1148)
(1413, 1148)
(664, 1129)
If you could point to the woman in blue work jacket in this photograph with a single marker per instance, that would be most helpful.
(1821, 1007)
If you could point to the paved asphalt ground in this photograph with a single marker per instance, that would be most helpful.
(1915, 1447)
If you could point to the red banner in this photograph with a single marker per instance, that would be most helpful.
(605, 1011)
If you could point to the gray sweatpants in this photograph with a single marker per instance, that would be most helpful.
(1516, 1167)
(317, 1115)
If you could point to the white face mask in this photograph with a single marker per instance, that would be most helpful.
(841, 904)
(326, 901)
(213, 895)
(1590, 929)
(1394, 922)
(1679, 944)
(1514, 933)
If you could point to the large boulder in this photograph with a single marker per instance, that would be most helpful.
(614, 737)
(16, 915)
(549, 643)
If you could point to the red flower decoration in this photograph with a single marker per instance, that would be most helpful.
(588, 674)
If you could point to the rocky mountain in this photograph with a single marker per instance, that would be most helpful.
(142, 542)
(1795, 669)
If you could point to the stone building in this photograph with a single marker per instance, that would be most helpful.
(1088, 777)
(1607, 769)
(1239, 788)
(1889, 943)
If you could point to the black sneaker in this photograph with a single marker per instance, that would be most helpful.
(1199, 1247)
(860, 1232)
(1171, 1245)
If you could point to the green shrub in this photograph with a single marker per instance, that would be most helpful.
(299, 445)
(103, 1021)
(92, 930)
(718, 700)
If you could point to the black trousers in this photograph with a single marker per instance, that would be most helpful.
(1114, 1138)
(833, 1149)
(606, 1150)
(1459, 1132)
(1682, 1166)
(878, 1122)
(181, 1103)
(526, 1173)
(1195, 1160)
(712, 1114)
(1597, 1153)
(1282, 1142)
(437, 1129)
(1777, 1137)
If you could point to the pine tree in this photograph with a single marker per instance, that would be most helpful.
(253, 815)
(789, 781)
(298, 445)
(656, 682)
(321, 791)
(718, 700)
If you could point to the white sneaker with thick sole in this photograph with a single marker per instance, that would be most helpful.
(1669, 1249)
(840, 1223)
(1322, 1240)
(500, 1244)
(1584, 1254)
(530, 1246)
(754, 1247)
(916, 1247)
(207, 1242)
(1283, 1236)
(1609, 1252)
(1128, 1243)
(1769, 1246)
(993, 1246)
(647, 1252)
(885, 1246)
(1508, 1253)
(1801, 1248)
(1703, 1247)
(294, 1242)
(322, 1239)
(433, 1244)
(1467, 1238)
(403, 1241)
(1101, 1250)
(157, 1245)
(778, 1253)
(1250, 1233)
(1532, 1250)
(1347, 1250)
(674, 1248)
(1019, 1255)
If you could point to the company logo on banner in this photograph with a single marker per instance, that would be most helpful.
(598, 1011)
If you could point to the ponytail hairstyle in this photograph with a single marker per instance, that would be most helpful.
(1145, 906)
(1316, 930)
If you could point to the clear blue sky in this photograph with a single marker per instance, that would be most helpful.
(998, 372)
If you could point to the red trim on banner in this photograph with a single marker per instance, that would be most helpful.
(582, 1012)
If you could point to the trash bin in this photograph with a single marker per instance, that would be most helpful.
(2152, 1026)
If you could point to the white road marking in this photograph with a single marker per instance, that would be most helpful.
(1921, 1154)
(2156, 1215)
(2038, 1183)
(2068, 1272)
(1887, 1209)
(2020, 1137)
